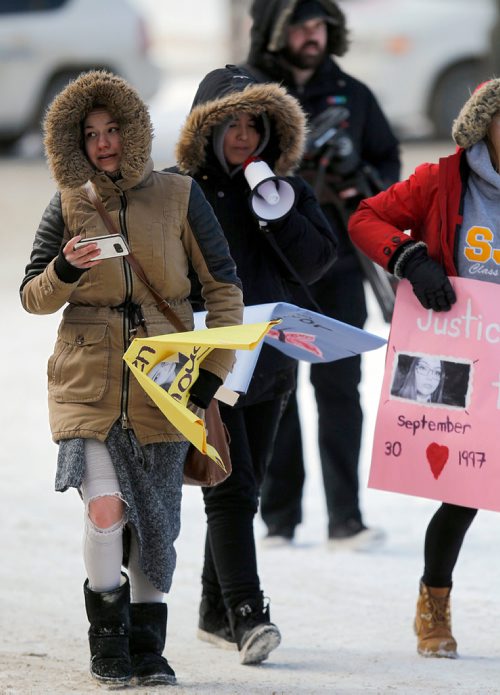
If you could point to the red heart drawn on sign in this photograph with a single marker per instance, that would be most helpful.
(437, 456)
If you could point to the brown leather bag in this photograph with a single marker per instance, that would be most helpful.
(199, 469)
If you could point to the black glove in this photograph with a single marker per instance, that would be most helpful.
(204, 388)
(65, 271)
(430, 283)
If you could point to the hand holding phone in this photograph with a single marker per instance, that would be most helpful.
(110, 245)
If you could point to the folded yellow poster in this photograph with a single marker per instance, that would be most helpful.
(185, 351)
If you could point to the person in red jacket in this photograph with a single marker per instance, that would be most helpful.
(452, 212)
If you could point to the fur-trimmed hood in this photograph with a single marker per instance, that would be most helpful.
(63, 128)
(227, 90)
(271, 19)
(475, 116)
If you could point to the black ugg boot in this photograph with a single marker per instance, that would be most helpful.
(255, 634)
(108, 614)
(148, 630)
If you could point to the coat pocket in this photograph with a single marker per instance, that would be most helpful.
(78, 369)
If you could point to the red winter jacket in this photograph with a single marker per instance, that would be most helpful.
(427, 206)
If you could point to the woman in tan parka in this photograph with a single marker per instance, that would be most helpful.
(115, 446)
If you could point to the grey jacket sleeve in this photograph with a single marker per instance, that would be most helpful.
(48, 245)
(210, 238)
(210, 257)
(54, 277)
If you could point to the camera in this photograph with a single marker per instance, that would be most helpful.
(330, 152)
(329, 140)
(340, 178)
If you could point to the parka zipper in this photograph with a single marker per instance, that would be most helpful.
(126, 318)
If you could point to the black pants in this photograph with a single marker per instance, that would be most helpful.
(340, 420)
(443, 541)
(230, 565)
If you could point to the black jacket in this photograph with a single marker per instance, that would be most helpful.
(304, 237)
(366, 126)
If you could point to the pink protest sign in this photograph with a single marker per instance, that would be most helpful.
(438, 420)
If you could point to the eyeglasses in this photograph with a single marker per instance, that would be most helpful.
(427, 371)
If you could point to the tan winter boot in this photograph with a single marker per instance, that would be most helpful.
(433, 623)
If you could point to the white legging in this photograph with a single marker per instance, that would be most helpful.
(103, 547)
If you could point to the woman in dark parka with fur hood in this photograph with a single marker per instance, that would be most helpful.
(230, 583)
(115, 447)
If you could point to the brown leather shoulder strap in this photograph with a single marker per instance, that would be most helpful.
(162, 303)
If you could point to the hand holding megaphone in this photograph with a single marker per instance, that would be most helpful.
(272, 197)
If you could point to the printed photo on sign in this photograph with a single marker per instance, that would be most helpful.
(432, 380)
(165, 372)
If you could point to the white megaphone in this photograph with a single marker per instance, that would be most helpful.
(272, 197)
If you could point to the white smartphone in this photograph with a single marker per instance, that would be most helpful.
(111, 245)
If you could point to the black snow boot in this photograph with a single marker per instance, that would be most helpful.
(213, 623)
(108, 614)
(148, 631)
(255, 634)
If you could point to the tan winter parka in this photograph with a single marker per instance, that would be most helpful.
(168, 225)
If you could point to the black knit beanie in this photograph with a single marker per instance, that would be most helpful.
(308, 9)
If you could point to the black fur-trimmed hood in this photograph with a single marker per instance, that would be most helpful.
(271, 19)
(63, 128)
(227, 90)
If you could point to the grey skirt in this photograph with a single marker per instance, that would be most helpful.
(150, 479)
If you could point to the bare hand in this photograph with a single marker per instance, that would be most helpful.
(84, 257)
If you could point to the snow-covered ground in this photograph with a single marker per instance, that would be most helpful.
(346, 618)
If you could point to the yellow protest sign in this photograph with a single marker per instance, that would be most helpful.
(185, 351)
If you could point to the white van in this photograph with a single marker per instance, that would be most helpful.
(421, 58)
(46, 43)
